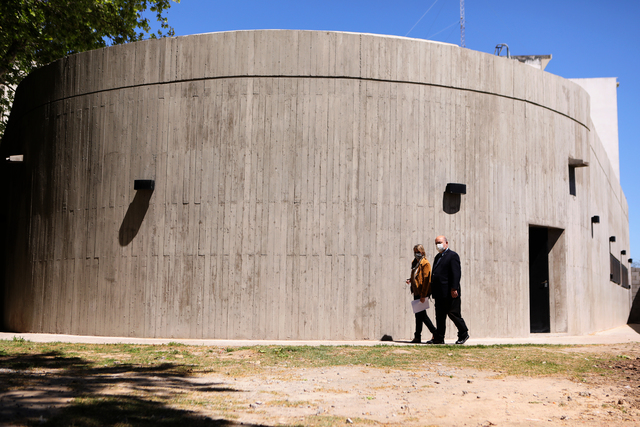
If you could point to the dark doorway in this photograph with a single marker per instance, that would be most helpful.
(539, 279)
(5, 195)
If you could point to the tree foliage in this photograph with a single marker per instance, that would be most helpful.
(36, 32)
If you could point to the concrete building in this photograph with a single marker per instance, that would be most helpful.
(272, 184)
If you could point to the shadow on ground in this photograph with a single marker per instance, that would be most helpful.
(48, 389)
(635, 326)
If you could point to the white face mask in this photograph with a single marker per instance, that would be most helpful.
(418, 255)
(440, 247)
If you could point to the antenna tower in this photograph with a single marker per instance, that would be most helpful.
(462, 23)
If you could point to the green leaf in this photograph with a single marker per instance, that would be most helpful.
(34, 33)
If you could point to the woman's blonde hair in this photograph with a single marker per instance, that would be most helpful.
(419, 248)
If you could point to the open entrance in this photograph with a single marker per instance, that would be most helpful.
(547, 285)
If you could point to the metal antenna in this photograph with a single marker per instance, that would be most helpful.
(499, 47)
(462, 23)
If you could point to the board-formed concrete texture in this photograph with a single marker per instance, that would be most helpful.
(603, 93)
(294, 172)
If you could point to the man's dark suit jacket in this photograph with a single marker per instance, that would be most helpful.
(445, 275)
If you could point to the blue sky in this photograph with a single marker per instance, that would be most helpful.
(587, 38)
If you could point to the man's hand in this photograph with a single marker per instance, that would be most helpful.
(422, 300)
(454, 293)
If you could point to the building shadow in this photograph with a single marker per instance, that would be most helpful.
(635, 327)
(133, 218)
(634, 314)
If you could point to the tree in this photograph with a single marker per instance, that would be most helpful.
(36, 32)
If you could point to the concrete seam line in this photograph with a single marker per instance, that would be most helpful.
(310, 77)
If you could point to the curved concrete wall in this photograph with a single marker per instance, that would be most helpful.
(294, 171)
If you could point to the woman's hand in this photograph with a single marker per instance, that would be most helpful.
(422, 300)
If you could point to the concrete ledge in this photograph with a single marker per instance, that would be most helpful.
(620, 335)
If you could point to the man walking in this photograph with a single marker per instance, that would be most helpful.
(445, 288)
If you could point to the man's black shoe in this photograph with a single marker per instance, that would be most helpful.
(432, 341)
(463, 339)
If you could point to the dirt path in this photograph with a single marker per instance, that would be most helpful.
(432, 395)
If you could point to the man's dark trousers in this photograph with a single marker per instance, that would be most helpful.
(450, 307)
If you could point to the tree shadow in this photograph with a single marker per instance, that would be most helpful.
(130, 411)
(53, 390)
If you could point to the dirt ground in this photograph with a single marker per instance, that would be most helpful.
(438, 395)
(432, 394)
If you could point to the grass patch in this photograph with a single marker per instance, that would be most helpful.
(331, 421)
(289, 403)
(526, 360)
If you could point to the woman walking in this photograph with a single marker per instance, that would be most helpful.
(420, 282)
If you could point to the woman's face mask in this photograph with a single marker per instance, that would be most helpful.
(418, 255)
